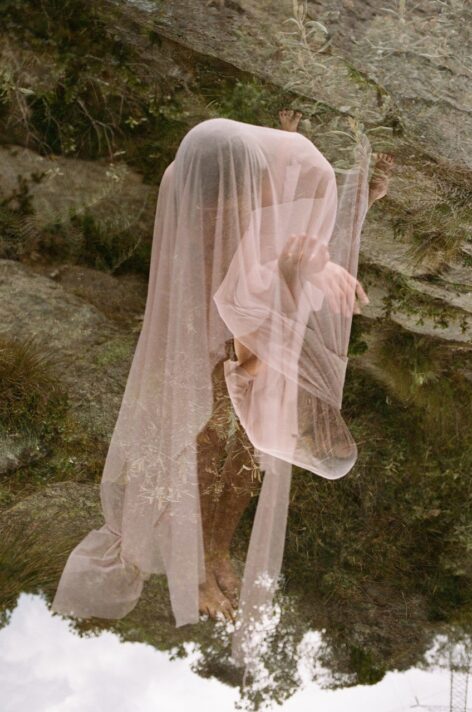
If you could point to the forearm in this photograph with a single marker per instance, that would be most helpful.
(289, 290)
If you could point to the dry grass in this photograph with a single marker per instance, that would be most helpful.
(31, 393)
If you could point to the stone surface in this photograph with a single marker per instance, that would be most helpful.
(69, 185)
(93, 355)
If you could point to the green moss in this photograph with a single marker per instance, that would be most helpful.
(110, 249)
(249, 100)
(400, 297)
(16, 210)
(98, 98)
(100, 244)
(115, 351)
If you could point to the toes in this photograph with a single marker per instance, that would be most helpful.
(229, 613)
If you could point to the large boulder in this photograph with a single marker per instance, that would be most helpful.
(94, 354)
(60, 187)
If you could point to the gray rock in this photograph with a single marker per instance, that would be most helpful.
(69, 185)
(93, 354)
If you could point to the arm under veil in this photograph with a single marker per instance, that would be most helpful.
(290, 407)
(227, 206)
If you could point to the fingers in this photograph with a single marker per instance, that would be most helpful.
(308, 251)
(350, 287)
(361, 293)
(343, 288)
(338, 285)
(332, 299)
(356, 291)
(354, 288)
(348, 301)
(292, 246)
(342, 285)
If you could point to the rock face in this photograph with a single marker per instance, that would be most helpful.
(400, 72)
(67, 506)
(60, 187)
(93, 351)
(418, 58)
(404, 75)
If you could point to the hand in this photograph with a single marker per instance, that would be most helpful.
(340, 289)
(302, 257)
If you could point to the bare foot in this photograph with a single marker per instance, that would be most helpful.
(380, 176)
(212, 600)
(227, 578)
(290, 119)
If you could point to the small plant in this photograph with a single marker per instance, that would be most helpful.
(31, 395)
(306, 31)
(252, 101)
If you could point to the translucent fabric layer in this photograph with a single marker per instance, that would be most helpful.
(255, 239)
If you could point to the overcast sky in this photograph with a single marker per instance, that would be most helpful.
(46, 667)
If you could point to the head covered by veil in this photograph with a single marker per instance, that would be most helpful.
(253, 240)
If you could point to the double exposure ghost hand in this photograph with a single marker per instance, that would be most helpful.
(340, 289)
(301, 258)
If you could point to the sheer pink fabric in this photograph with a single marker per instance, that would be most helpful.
(224, 265)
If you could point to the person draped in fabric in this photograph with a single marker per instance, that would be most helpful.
(239, 369)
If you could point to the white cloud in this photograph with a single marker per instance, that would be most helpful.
(46, 667)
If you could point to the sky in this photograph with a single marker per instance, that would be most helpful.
(46, 667)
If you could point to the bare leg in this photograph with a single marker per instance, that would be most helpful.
(228, 477)
(210, 457)
(241, 479)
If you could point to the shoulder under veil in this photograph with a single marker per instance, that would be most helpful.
(253, 238)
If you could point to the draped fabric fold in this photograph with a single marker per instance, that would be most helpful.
(255, 238)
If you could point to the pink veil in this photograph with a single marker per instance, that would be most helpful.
(226, 208)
